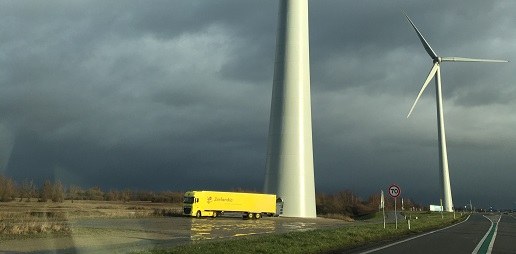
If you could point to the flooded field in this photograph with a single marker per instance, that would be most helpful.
(121, 235)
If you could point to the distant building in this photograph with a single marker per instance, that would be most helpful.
(436, 208)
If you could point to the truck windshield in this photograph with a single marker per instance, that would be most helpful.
(188, 200)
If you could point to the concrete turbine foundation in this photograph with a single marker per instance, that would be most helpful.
(289, 167)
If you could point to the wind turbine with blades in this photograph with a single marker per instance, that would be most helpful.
(436, 72)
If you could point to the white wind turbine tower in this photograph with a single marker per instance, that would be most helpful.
(435, 72)
(290, 166)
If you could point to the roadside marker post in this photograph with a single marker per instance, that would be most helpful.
(382, 205)
(442, 217)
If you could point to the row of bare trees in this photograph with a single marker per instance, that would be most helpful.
(56, 192)
(348, 203)
(343, 202)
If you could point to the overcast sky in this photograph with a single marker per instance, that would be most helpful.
(175, 95)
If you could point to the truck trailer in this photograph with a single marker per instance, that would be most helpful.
(214, 203)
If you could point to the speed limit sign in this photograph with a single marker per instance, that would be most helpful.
(394, 190)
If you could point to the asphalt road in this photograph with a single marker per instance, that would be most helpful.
(466, 237)
(505, 241)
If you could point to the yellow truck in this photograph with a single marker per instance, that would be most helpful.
(214, 203)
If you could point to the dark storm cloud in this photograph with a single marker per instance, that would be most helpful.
(176, 94)
(118, 90)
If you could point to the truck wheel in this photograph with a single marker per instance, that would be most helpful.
(258, 216)
(250, 215)
(214, 215)
(198, 214)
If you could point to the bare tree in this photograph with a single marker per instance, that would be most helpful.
(46, 191)
(57, 192)
(125, 195)
(94, 193)
(112, 195)
(27, 190)
(74, 192)
(7, 189)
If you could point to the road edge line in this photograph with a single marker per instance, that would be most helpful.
(479, 245)
(491, 244)
(414, 237)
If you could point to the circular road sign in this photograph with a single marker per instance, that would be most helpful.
(394, 190)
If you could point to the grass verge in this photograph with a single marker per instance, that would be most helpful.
(318, 241)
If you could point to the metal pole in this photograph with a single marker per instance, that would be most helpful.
(395, 214)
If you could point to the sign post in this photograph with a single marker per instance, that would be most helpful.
(395, 191)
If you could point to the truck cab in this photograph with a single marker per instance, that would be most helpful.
(192, 205)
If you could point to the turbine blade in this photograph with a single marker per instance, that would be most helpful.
(463, 59)
(430, 76)
(427, 47)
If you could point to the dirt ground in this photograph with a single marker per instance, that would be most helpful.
(128, 232)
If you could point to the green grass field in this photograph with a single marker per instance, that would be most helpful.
(321, 241)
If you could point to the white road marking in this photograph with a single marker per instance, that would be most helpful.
(494, 236)
(490, 248)
(412, 238)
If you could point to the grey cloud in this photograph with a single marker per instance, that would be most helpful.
(176, 94)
